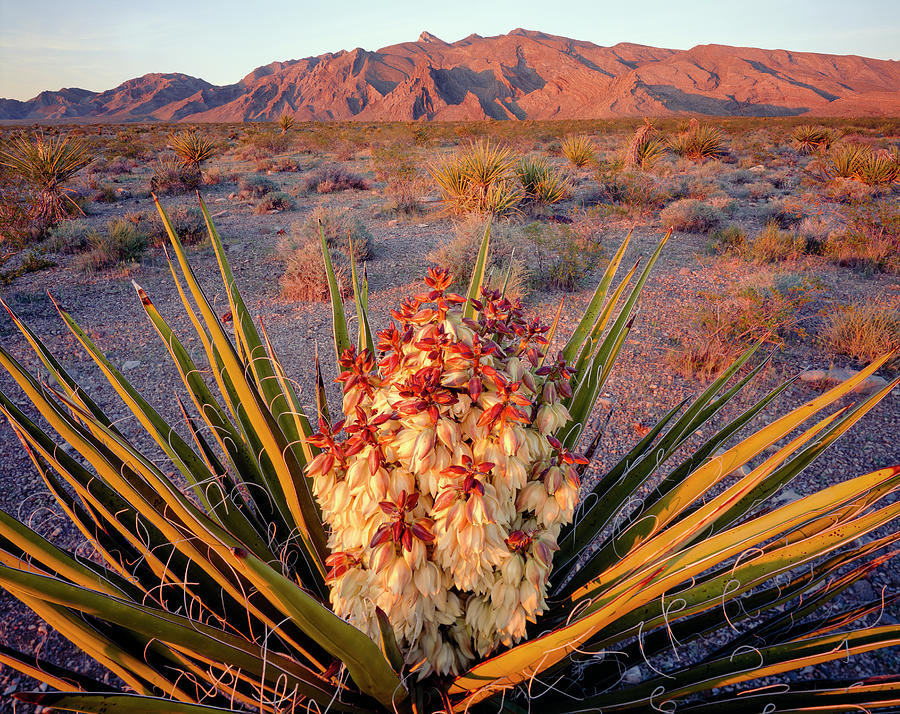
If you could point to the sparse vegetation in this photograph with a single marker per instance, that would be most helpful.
(121, 242)
(863, 330)
(255, 186)
(171, 176)
(871, 240)
(331, 178)
(276, 201)
(562, 256)
(809, 138)
(691, 215)
(699, 143)
(772, 245)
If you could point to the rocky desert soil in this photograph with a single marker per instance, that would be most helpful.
(645, 383)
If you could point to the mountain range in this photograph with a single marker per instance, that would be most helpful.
(521, 75)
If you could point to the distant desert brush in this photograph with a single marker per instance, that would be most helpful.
(862, 329)
(698, 143)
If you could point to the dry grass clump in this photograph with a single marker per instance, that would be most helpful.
(260, 143)
(690, 215)
(785, 213)
(331, 178)
(171, 176)
(255, 186)
(772, 245)
(563, 257)
(730, 240)
(275, 201)
(579, 150)
(634, 191)
(506, 257)
(871, 241)
(122, 242)
(723, 325)
(304, 277)
(863, 330)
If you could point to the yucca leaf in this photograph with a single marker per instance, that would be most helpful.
(361, 298)
(338, 319)
(474, 291)
(49, 673)
(177, 630)
(289, 487)
(104, 702)
(589, 318)
(746, 666)
(365, 662)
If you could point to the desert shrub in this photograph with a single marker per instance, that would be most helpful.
(276, 201)
(699, 143)
(730, 240)
(304, 276)
(286, 164)
(864, 330)
(760, 189)
(560, 257)
(785, 213)
(171, 176)
(105, 193)
(850, 191)
(481, 179)
(691, 215)
(722, 325)
(634, 190)
(579, 150)
(69, 237)
(264, 142)
(507, 256)
(871, 240)
(404, 194)
(339, 228)
(540, 183)
(395, 164)
(122, 242)
(255, 186)
(119, 166)
(810, 138)
(772, 244)
(331, 178)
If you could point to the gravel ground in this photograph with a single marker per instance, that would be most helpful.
(642, 387)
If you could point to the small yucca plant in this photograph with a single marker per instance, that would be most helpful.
(286, 122)
(440, 515)
(844, 160)
(481, 179)
(699, 143)
(809, 138)
(541, 184)
(47, 164)
(579, 150)
(877, 168)
(193, 148)
(645, 148)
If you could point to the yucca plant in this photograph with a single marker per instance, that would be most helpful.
(579, 150)
(479, 180)
(193, 148)
(844, 160)
(429, 548)
(541, 184)
(699, 143)
(286, 123)
(877, 168)
(645, 148)
(47, 164)
(809, 138)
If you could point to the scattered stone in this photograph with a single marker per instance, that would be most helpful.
(870, 384)
(863, 590)
(604, 403)
(814, 375)
(633, 676)
(841, 374)
(130, 364)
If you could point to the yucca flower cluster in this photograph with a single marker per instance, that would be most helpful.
(443, 487)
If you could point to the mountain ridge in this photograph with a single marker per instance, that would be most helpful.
(524, 74)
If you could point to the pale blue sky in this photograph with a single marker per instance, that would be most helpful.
(97, 44)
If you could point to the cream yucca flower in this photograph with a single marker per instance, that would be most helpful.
(446, 494)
